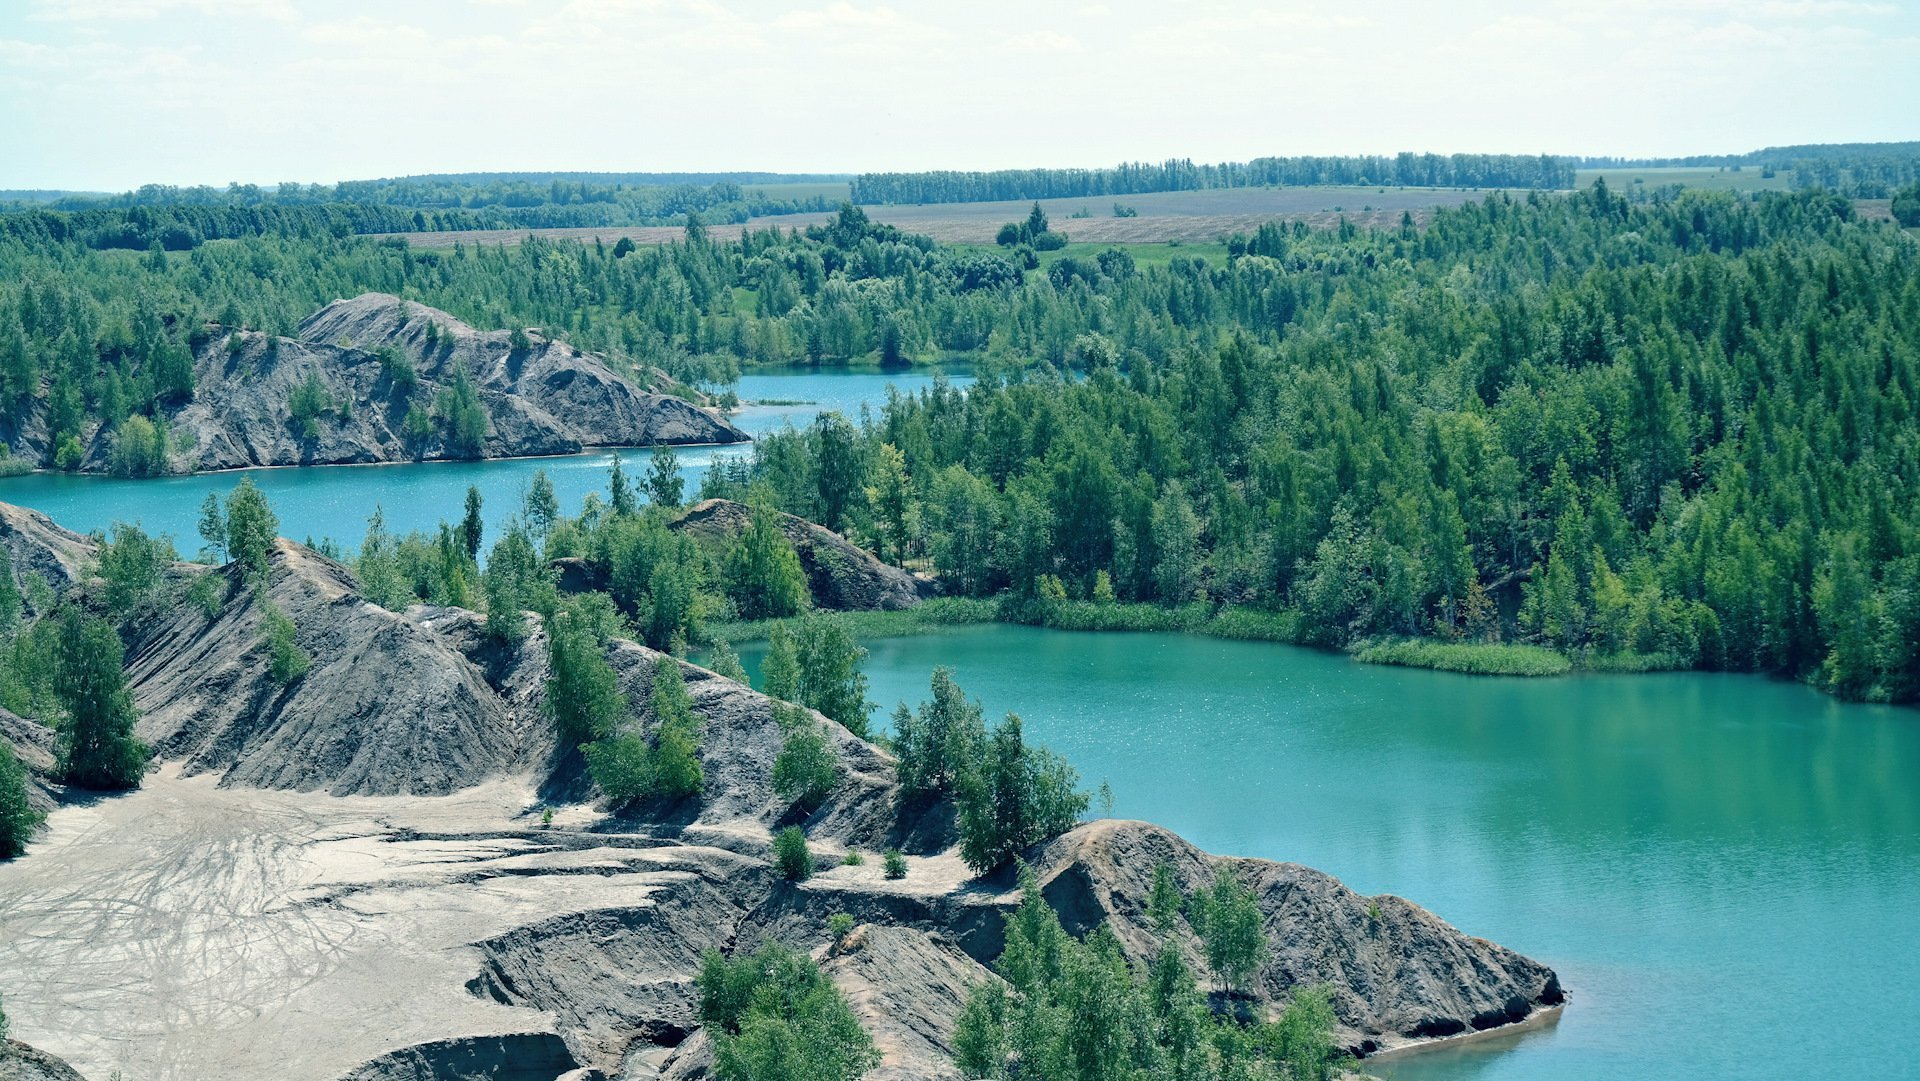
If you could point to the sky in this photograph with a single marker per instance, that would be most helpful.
(106, 95)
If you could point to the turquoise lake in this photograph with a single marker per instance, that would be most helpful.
(1724, 870)
(335, 502)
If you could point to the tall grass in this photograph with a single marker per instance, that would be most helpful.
(1473, 658)
(927, 617)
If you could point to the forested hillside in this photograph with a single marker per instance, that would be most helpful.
(1675, 431)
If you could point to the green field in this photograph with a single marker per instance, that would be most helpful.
(835, 192)
(1749, 178)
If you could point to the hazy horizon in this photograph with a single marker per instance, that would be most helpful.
(106, 95)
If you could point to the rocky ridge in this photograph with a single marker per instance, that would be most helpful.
(594, 970)
(540, 396)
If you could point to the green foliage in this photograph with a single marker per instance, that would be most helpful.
(286, 661)
(839, 925)
(541, 507)
(96, 747)
(806, 769)
(763, 574)
(664, 484)
(251, 529)
(1016, 797)
(722, 661)
(1475, 658)
(1078, 1010)
(472, 526)
(1906, 207)
(939, 743)
(140, 449)
(134, 567)
(207, 593)
(619, 491)
(1228, 918)
(830, 677)
(790, 855)
(583, 696)
(309, 402)
(629, 767)
(893, 864)
(1009, 795)
(18, 818)
(462, 418)
(10, 605)
(213, 529)
(775, 1017)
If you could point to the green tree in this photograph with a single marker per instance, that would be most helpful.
(583, 696)
(837, 471)
(213, 528)
(780, 670)
(618, 489)
(762, 571)
(18, 817)
(1230, 923)
(134, 567)
(941, 742)
(541, 507)
(251, 529)
(472, 526)
(830, 677)
(286, 661)
(890, 500)
(775, 1017)
(722, 661)
(665, 486)
(805, 770)
(677, 771)
(96, 747)
(1018, 797)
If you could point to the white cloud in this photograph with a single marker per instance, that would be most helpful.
(1041, 41)
(838, 14)
(81, 11)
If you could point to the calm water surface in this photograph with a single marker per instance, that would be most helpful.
(336, 501)
(1724, 870)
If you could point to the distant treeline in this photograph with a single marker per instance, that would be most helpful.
(1862, 170)
(1140, 178)
(179, 219)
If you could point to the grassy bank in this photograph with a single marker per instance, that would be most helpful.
(1473, 658)
(1243, 624)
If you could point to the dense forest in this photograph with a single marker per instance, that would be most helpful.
(178, 219)
(1138, 178)
(1672, 431)
(1863, 170)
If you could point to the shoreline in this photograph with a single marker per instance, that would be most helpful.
(581, 453)
(1542, 1017)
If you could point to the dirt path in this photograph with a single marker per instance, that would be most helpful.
(186, 931)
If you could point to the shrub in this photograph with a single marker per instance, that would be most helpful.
(286, 660)
(806, 769)
(790, 855)
(853, 858)
(206, 594)
(895, 864)
(839, 924)
(18, 818)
